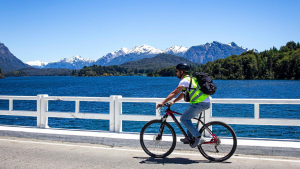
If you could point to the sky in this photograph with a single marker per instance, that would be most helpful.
(49, 30)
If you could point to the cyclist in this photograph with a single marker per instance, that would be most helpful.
(199, 102)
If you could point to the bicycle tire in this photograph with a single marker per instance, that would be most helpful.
(157, 148)
(226, 144)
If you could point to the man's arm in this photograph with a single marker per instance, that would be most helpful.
(177, 99)
(171, 95)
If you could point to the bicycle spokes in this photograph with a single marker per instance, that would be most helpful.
(222, 142)
(158, 139)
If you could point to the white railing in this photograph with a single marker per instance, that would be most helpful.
(116, 117)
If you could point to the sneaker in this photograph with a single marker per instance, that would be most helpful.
(198, 140)
(184, 140)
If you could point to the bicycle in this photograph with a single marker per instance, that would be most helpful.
(158, 138)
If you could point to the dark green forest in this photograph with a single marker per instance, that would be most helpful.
(158, 62)
(134, 68)
(269, 64)
(114, 70)
(1, 75)
(30, 71)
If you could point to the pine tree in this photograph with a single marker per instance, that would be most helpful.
(298, 45)
(291, 45)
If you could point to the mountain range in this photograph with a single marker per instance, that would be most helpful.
(213, 51)
(8, 61)
(200, 54)
(159, 61)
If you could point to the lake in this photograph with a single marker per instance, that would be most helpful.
(153, 87)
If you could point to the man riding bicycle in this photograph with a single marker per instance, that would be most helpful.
(199, 102)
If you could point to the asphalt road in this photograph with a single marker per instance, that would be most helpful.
(29, 153)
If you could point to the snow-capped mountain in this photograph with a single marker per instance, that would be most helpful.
(144, 49)
(212, 51)
(122, 51)
(108, 57)
(76, 62)
(199, 54)
(232, 44)
(136, 53)
(37, 63)
(76, 59)
(176, 50)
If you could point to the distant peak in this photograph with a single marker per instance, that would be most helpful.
(124, 49)
(145, 49)
(37, 63)
(144, 45)
(77, 57)
(176, 49)
(232, 44)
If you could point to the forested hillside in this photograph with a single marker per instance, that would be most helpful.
(140, 67)
(269, 64)
(30, 71)
(158, 62)
(106, 71)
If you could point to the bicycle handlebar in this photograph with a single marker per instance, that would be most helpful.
(168, 104)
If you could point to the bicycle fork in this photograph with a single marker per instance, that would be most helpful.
(162, 127)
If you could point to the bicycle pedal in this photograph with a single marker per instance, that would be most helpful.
(184, 141)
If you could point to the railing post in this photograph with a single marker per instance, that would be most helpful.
(207, 117)
(112, 99)
(118, 112)
(77, 106)
(256, 111)
(43, 123)
(38, 109)
(10, 105)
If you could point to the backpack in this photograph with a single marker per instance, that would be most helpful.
(206, 83)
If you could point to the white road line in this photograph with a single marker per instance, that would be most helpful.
(118, 149)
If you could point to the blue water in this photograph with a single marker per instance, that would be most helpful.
(156, 87)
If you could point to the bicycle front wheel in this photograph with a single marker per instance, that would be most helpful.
(153, 144)
(223, 146)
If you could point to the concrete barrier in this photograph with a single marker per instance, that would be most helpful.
(248, 146)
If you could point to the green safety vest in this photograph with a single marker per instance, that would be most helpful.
(196, 95)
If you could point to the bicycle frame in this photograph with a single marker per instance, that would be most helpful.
(171, 113)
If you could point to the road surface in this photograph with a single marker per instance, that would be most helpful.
(30, 153)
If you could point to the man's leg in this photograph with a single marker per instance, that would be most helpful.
(192, 111)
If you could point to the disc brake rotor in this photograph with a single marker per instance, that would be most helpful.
(155, 139)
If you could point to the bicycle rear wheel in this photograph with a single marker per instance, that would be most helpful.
(153, 145)
(224, 146)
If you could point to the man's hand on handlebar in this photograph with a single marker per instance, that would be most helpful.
(160, 105)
